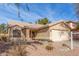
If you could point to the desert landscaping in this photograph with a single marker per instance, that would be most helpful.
(18, 40)
(39, 29)
(37, 48)
(52, 40)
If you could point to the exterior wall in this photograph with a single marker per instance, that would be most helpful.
(43, 34)
(60, 26)
(11, 33)
(58, 32)
(57, 35)
(25, 33)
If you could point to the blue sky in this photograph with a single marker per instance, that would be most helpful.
(33, 12)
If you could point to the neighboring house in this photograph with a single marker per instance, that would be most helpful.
(58, 31)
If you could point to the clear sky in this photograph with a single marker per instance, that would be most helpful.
(32, 12)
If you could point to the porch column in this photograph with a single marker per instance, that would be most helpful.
(71, 40)
(22, 37)
(31, 34)
(28, 33)
(9, 33)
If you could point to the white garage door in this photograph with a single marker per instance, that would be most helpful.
(56, 35)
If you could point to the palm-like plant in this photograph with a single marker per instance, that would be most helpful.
(18, 10)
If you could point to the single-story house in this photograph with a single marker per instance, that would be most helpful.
(57, 31)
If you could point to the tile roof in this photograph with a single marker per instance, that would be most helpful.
(13, 23)
(34, 26)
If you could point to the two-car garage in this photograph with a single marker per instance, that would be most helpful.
(58, 35)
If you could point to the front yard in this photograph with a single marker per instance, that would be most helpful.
(37, 48)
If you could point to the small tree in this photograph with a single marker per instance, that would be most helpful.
(43, 21)
(3, 28)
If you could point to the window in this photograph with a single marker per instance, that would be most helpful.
(16, 33)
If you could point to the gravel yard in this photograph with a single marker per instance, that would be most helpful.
(38, 48)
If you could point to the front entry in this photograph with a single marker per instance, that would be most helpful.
(16, 33)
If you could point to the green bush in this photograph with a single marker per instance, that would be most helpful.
(65, 45)
(49, 47)
(3, 38)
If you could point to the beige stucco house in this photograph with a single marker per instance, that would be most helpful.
(57, 31)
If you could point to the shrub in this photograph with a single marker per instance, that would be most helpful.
(21, 50)
(66, 46)
(49, 47)
(4, 38)
(17, 51)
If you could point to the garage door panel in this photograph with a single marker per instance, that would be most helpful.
(56, 35)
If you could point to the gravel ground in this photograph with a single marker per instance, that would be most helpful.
(37, 48)
(74, 52)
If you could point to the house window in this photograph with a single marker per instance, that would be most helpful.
(16, 33)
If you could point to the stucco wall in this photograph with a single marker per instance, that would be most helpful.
(60, 26)
(43, 34)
